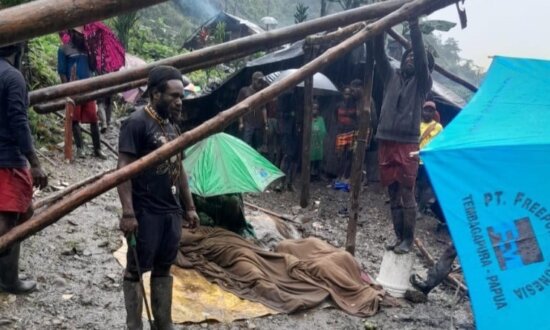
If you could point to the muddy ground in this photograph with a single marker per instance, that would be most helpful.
(80, 281)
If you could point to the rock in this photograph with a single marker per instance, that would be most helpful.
(296, 209)
(86, 301)
(103, 244)
(67, 296)
(112, 277)
(59, 282)
(251, 325)
(72, 222)
(204, 325)
(87, 253)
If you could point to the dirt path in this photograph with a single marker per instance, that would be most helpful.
(80, 281)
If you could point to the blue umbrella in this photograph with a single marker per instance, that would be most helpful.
(490, 169)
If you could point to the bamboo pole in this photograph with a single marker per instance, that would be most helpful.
(215, 124)
(359, 153)
(306, 131)
(405, 43)
(41, 17)
(206, 57)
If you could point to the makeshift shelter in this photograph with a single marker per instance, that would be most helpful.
(489, 169)
(341, 72)
(235, 27)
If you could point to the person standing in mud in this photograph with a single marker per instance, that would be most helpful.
(253, 124)
(346, 130)
(405, 92)
(16, 154)
(154, 202)
(73, 63)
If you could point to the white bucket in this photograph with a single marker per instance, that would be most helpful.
(395, 271)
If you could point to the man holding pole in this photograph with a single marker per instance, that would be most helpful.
(16, 153)
(154, 202)
(405, 92)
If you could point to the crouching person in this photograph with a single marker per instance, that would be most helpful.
(153, 203)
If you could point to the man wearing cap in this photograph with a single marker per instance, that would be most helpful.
(155, 201)
(254, 123)
(16, 153)
(405, 92)
(73, 63)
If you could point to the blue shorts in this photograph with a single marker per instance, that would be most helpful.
(157, 241)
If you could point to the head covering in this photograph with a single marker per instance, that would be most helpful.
(161, 74)
(429, 104)
(257, 75)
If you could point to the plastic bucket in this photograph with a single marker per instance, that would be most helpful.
(395, 271)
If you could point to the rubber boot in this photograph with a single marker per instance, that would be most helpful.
(133, 300)
(397, 219)
(77, 135)
(96, 141)
(161, 302)
(409, 223)
(9, 273)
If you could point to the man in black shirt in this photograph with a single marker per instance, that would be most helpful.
(153, 202)
(16, 153)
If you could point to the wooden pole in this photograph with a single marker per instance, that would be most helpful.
(41, 17)
(405, 43)
(206, 57)
(306, 132)
(57, 105)
(215, 124)
(360, 146)
(68, 147)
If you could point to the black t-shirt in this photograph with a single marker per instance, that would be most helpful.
(155, 189)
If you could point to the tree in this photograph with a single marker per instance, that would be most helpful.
(123, 24)
(301, 13)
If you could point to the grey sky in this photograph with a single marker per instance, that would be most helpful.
(517, 28)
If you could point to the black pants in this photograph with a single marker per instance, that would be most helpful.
(158, 239)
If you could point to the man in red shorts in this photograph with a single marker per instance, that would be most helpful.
(16, 153)
(405, 92)
(73, 64)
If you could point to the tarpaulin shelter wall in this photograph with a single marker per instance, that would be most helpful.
(490, 170)
(341, 73)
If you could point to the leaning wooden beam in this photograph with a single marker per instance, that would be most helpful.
(62, 193)
(364, 113)
(215, 124)
(335, 36)
(405, 43)
(41, 17)
(57, 105)
(206, 57)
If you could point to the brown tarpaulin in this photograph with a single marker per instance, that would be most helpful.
(299, 275)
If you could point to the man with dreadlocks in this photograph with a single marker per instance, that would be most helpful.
(16, 153)
(154, 202)
(405, 92)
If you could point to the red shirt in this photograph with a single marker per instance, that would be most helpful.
(346, 116)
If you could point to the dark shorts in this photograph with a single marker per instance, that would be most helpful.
(396, 164)
(158, 239)
(15, 190)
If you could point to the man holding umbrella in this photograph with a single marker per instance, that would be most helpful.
(154, 202)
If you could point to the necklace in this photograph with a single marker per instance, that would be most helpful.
(175, 175)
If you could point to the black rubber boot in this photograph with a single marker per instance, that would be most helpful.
(77, 135)
(133, 300)
(397, 219)
(161, 301)
(96, 141)
(9, 273)
(409, 223)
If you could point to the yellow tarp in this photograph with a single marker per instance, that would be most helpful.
(196, 300)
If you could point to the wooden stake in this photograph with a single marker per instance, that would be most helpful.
(68, 147)
(306, 132)
(215, 124)
(41, 17)
(405, 43)
(359, 153)
(206, 57)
